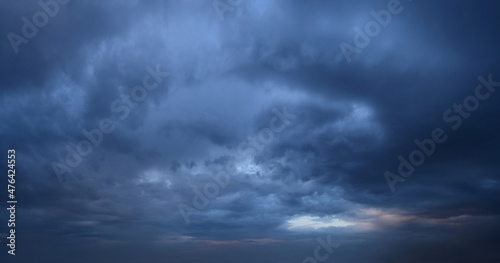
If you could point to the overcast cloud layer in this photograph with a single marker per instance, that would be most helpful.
(318, 173)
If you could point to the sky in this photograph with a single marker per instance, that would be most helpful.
(251, 130)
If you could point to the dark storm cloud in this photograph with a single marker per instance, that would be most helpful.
(321, 175)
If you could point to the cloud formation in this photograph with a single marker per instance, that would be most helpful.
(322, 175)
